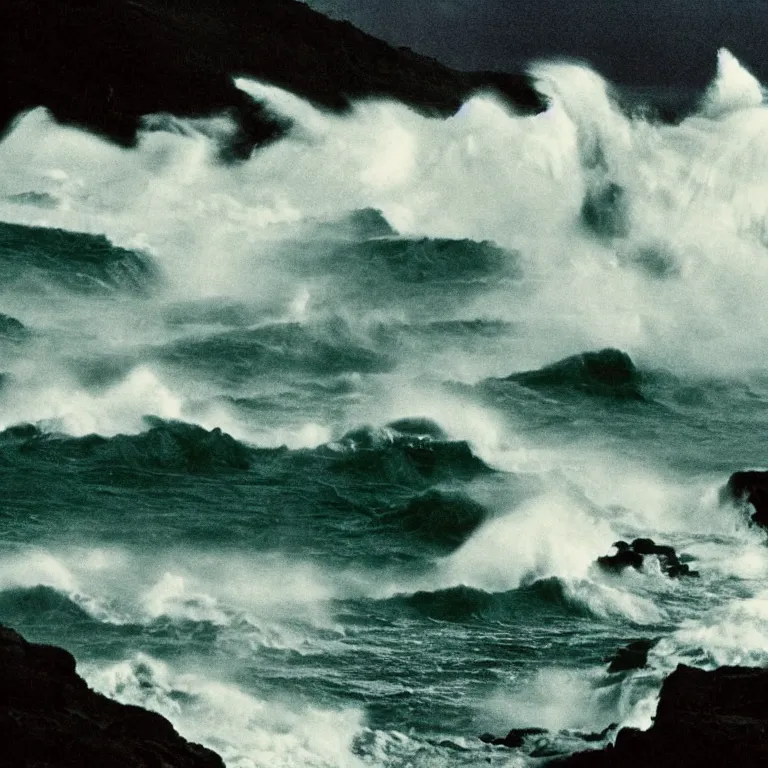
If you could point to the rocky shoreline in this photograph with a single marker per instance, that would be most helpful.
(105, 64)
(715, 718)
(49, 717)
(704, 718)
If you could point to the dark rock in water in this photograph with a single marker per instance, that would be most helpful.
(751, 487)
(37, 258)
(514, 739)
(608, 372)
(601, 736)
(631, 656)
(633, 556)
(606, 211)
(625, 557)
(103, 64)
(716, 718)
(49, 717)
(11, 329)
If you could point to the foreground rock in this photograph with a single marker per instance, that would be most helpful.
(103, 64)
(514, 739)
(751, 487)
(50, 718)
(717, 718)
(633, 556)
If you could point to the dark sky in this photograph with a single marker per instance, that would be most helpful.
(635, 42)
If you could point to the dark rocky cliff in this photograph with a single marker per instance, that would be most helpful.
(103, 64)
(717, 718)
(50, 718)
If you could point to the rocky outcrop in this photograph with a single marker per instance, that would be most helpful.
(514, 739)
(633, 556)
(49, 718)
(717, 718)
(103, 64)
(751, 487)
(634, 655)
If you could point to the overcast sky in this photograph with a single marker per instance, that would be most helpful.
(639, 42)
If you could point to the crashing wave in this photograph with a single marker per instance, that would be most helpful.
(733, 89)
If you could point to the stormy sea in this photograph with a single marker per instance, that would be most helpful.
(315, 453)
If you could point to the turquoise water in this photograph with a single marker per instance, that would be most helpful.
(264, 469)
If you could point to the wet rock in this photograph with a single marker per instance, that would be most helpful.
(633, 556)
(601, 736)
(625, 557)
(716, 718)
(751, 487)
(514, 739)
(49, 717)
(632, 656)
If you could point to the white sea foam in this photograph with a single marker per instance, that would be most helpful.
(734, 88)
(696, 196)
(246, 731)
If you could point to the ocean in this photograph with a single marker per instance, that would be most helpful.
(284, 453)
